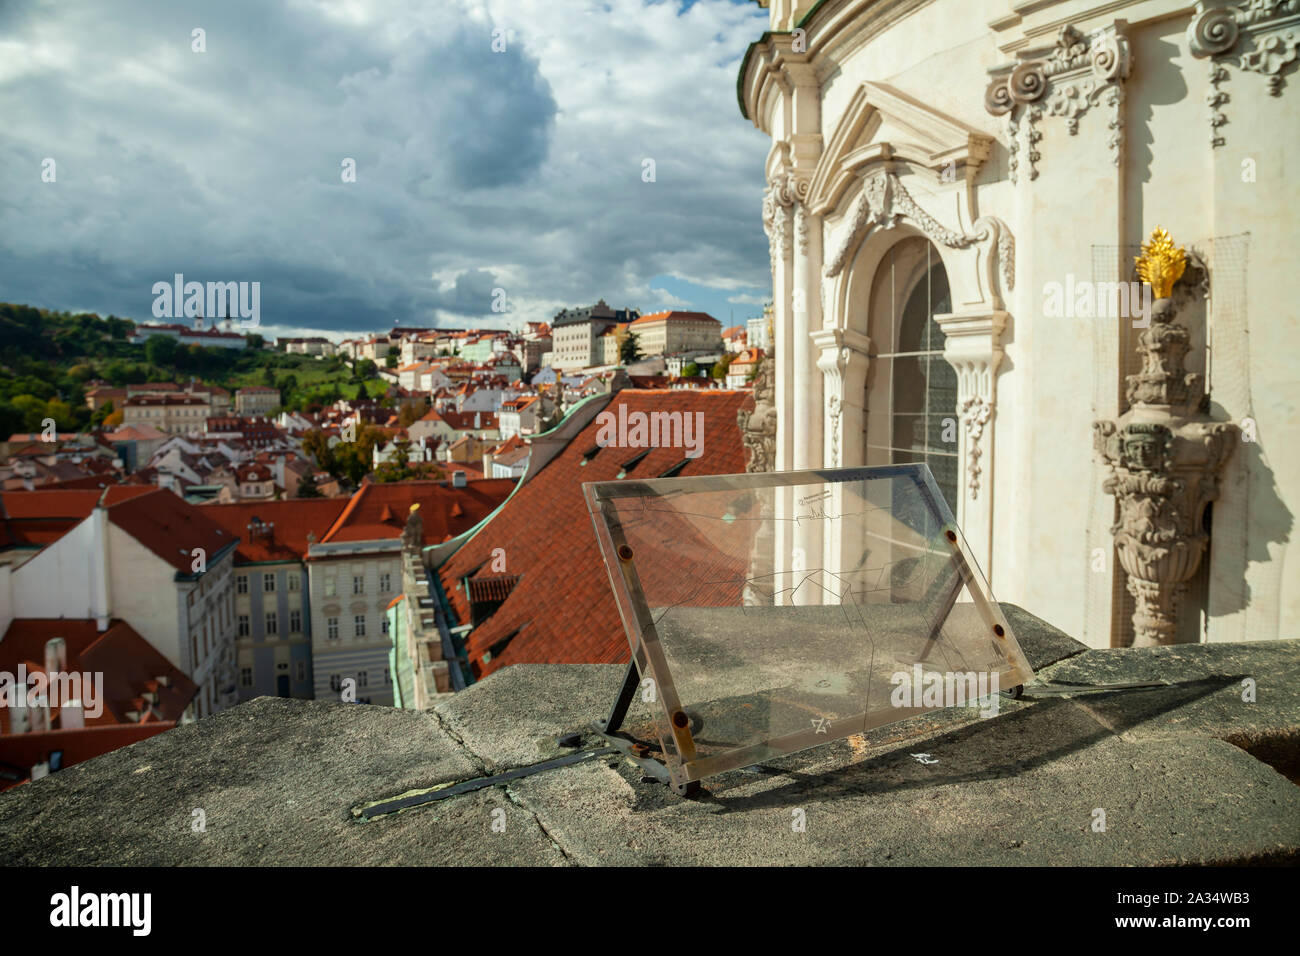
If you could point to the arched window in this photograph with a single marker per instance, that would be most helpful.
(911, 388)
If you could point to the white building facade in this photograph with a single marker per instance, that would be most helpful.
(943, 173)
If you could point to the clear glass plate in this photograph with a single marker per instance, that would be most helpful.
(776, 612)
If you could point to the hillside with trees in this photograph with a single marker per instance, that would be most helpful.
(47, 357)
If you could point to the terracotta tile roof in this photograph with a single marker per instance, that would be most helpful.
(253, 473)
(43, 516)
(464, 421)
(129, 663)
(136, 433)
(561, 610)
(291, 521)
(520, 403)
(379, 511)
(672, 315)
(512, 456)
(169, 527)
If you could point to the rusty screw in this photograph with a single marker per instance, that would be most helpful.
(998, 630)
(680, 719)
(951, 535)
(625, 552)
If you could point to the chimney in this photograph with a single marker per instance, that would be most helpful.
(56, 656)
(458, 479)
(40, 714)
(19, 718)
(100, 607)
(72, 716)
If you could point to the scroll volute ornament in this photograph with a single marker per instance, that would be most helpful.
(1164, 456)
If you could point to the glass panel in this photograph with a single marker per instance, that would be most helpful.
(909, 384)
(758, 645)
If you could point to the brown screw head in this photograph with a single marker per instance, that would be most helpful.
(625, 552)
(680, 719)
(951, 535)
(998, 630)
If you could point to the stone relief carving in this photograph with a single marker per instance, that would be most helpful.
(833, 407)
(1271, 28)
(884, 200)
(1164, 457)
(1080, 72)
(975, 413)
(783, 191)
(758, 428)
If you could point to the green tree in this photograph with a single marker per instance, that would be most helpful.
(361, 395)
(307, 487)
(32, 409)
(161, 350)
(254, 340)
(102, 413)
(691, 370)
(629, 350)
(394, 354)
(720, 370)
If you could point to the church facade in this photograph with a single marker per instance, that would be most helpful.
(959, 193)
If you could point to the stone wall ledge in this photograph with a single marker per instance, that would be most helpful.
(1187, 773)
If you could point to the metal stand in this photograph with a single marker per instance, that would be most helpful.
(637, 752)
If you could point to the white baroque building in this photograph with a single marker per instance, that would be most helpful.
(954, 186)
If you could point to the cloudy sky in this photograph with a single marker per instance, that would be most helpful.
(475, 169)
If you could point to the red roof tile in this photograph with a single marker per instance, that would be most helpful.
(169, 527)
(42, 517)
(290, 522)
(561, 610)
(445, 511)
(129, 663)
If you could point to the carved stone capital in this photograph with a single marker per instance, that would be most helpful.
(1077, 73)
(1257, 36)
(843, 358)
(973, 348)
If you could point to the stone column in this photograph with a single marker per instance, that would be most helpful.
(973, 348)
(778, 223)
(843, 358)
(807, 398)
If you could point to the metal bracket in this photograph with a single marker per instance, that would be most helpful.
(637, 752)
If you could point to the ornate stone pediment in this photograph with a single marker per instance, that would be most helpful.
(883, 124)
(884, 201)
(1078, 72)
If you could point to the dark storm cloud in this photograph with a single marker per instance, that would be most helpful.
(475, 169)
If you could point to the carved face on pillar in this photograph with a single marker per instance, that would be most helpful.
(1145, 447)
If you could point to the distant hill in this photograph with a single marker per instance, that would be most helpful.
(46, 357)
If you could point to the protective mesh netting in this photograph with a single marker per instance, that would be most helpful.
(1211, 299)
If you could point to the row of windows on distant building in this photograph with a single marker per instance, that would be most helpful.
(294, 584)
(336, 680)
(272, 622)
